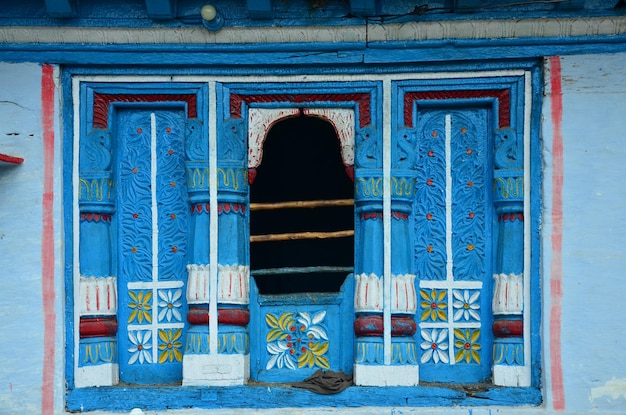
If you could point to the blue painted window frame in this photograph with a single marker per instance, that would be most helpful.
(116, 398)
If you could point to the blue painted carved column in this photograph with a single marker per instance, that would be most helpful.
(508, 350)
(97, 362)
(368, 266)
(231, 365)
(233, 276)
(198, 287)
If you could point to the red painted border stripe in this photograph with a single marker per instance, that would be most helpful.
(47, 239)
(556, 264)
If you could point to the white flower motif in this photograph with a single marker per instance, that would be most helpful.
(465, 305)
(169, 302)
(141, 343)
(435, 345)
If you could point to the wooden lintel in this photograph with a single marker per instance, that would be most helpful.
(297, 204)
(293, 236)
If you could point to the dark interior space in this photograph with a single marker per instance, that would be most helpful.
(301, 161)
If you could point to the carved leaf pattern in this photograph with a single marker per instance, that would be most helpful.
(197, 145)
(232, 145)
(135, 213)
(95, 151)
(468, 194)
(429, 209)
(171, 196)
(368, 154)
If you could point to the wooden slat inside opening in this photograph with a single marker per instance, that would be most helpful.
(301, 270)
(293, 236)
(298, 204)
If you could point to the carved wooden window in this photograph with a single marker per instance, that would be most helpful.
(301, 210)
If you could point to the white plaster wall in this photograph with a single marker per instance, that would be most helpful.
(594, 237)
(21, 192)
(594, 232)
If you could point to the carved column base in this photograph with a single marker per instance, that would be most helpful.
(100, 375)
(513, 376)
(216, 370)
(377, 375)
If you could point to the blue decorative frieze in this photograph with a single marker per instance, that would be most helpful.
(402, 190)
(231, 340)
(370, 351)
(95, 192)
(368, 190)
(198, 181)
(508, 351)
(97, 350)
(508, 187)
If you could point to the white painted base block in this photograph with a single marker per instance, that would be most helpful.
(516, 376)
(101, 375)
(216, 370)
(377, 375)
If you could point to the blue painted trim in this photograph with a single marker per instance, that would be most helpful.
(269, 54)
(259, 397)
(68, 163)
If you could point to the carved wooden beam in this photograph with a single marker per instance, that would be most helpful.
(161, 9)
(259, 9)
(62, 8)
(363, 7)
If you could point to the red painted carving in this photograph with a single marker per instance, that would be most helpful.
(373, 326)
(102, 102)
(378, 215)
(95, 217)
(361, 99)
(232, 316)
(98, 327)
(508, 328)
(234, 207)
(200, 208)
(502, 95)
(510, 217)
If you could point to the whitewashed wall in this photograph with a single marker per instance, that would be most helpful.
(593, 247)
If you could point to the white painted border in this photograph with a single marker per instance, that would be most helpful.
(386, 222)
(212, 122)
(376, 375)
(213, 216)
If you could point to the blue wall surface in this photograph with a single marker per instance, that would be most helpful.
(589, 308)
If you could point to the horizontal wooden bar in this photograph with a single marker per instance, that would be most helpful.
(297, 204)
(300, 235)
(301, 270)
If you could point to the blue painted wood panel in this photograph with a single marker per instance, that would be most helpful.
(294, 335)
(453, 244)
(152, 238)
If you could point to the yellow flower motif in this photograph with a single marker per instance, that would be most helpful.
(434, 305)
(170, 345)
(141, 306)
(465, 343)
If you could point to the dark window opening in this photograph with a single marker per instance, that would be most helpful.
(301, 212)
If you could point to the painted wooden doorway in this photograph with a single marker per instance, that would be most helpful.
(152, 232)
(301, 253)
(453, 220)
